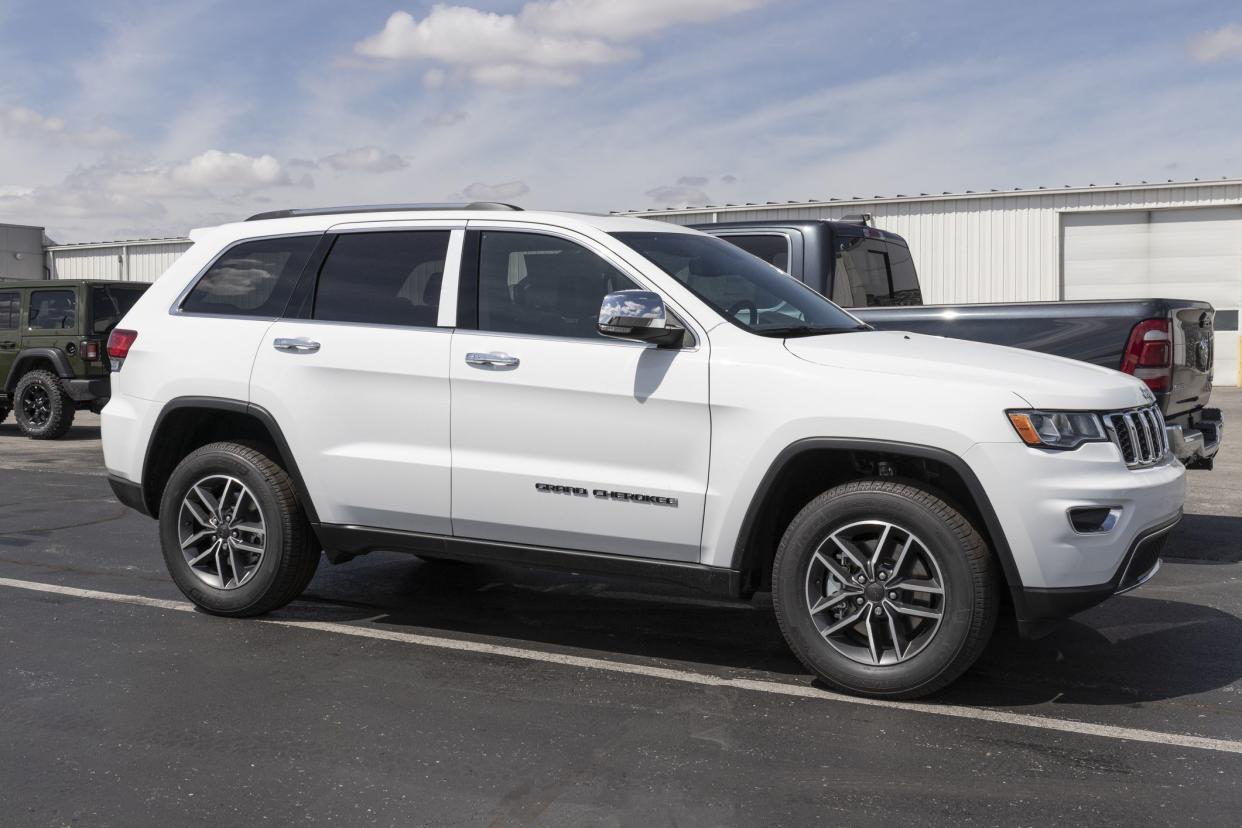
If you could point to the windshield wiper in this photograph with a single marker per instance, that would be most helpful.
(808, 330)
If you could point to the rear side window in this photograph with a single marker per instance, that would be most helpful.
(10, 310)
(874, 274)
(773, 249)
(253, 278)
(52, 310)
(383, 278)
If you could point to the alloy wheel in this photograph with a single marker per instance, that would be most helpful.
(222, 531)
(36, 406)
(875, 592)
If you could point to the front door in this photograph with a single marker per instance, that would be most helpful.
(561, 437)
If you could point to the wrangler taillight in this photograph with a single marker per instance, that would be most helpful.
(1149, 354)
(119, 343)
(90, 350)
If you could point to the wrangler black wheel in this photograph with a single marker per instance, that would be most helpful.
(44, 411)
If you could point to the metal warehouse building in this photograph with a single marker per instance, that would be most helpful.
(1176, 240)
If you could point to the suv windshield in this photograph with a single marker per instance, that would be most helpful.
(747, 291)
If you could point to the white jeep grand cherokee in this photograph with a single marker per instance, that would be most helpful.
(618, 396)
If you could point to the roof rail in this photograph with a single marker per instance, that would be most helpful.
(379, 208)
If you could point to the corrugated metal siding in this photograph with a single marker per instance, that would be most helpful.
(135, 261)
(982, 248)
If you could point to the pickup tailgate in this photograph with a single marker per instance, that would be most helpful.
(1191, 381)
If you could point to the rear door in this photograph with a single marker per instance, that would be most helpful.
(561, 437)
(358, 376)
(10, 329)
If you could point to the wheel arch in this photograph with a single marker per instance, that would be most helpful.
(187, 423)
(33, 359)
(810, 466)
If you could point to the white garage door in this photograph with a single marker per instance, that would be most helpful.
(1178, 254)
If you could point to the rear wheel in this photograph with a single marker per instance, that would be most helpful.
(235, 538)
(883, 589)
(44, 411)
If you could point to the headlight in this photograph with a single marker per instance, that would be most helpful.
(1057, 429)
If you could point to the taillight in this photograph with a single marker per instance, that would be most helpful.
(1149, 353)
(119, 343)
(90, 350)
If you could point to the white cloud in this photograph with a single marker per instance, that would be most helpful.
(492, 48)
(365, 159)
(617, 20)
(214, 168)
(447, 119)
(1224, 43)
(547, 43)
(496, 192)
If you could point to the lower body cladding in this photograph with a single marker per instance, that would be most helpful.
(1081, 526)
(1195, 437)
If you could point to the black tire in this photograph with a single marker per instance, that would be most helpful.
(43, 409)
(290, 553)
(947, 545)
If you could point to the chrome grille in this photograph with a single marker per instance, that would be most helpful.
(1139, 434)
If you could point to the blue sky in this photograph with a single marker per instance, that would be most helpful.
(133, 119)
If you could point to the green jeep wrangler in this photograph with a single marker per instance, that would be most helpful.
(53, 349)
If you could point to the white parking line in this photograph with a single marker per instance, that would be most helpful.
(684, 676)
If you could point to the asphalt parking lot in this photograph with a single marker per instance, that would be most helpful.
(406, 692)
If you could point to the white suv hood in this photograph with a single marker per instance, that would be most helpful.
(1043, 381)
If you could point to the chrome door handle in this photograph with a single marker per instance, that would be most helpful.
(492, 360)
(298, 345)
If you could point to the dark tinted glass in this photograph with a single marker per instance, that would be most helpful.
(748, 292)
(535, 284)
(874, 274)
(771, 248)
(383, 278)
(109, 304)
(10, 310)
(252, 278)
(53, 310)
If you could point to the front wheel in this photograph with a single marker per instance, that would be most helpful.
(883, 589)
(235, 539)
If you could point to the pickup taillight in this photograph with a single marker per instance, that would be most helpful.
(119, 343)
(1149, 354)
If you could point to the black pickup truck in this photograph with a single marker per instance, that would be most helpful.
(1165, 342)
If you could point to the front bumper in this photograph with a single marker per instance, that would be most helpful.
(1057, 567)
(1039, 611)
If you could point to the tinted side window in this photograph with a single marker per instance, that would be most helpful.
(771, 248)
(383, 278)
(252, 278)
(535, 284)
(52, 310)
(874, 274)
(10, 310)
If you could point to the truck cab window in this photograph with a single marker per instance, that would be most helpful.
(771, 247)
(871, 273)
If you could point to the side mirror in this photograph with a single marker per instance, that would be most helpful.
(640, 315)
